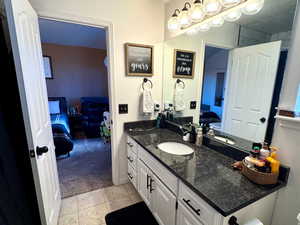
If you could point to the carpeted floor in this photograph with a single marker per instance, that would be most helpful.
(87, 169)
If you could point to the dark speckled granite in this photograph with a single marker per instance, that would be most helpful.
(206, 171)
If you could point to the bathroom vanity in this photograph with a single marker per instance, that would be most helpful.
(195, 189)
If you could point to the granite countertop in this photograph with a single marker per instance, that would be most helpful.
(206, 171)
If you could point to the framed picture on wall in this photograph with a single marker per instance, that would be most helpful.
(48, 67)
(184, 64)
(139, 60)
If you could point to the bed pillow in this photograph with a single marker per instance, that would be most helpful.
(54, 107)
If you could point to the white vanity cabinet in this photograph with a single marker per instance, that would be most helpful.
(132, 161)
(185, 217)
(160, 200)
(174, 203)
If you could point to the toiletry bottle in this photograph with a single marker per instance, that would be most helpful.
(158, 120)
(255, 149)
(199, 137)
(193, 135)
(264, 152)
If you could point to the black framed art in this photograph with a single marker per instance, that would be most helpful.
(139, 60)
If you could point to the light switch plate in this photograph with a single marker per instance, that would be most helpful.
(193, 105)
(123, 108)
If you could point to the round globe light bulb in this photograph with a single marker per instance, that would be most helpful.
(233, 16)
(212, 7)
(184, 18)
(197, 13)
(253, 7)
(204, 27)
(173, 23)
(217, 22)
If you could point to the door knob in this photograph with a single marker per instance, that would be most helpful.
(263, 120)
(41, 150)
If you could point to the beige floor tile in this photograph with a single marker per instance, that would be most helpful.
(71, 219)
(94, 215)
(69, 206)
(118, 204)
(91, 199)
(135, 198)
(116, 193)
(130, 188)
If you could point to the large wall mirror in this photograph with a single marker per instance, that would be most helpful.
(237, 69)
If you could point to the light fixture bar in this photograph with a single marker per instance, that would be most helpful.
(222, 13)
(211, 13)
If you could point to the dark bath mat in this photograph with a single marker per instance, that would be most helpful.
(137, 214)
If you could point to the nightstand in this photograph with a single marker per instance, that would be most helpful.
(75, 123)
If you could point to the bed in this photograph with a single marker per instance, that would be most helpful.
(60, 125)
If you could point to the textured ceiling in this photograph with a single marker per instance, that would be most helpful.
(62, 33)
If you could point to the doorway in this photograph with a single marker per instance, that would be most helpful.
(214, 78)
(77, 86)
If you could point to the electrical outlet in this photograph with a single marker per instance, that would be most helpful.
(193, 105)
(123, 108)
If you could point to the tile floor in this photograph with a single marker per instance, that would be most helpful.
(90, 208)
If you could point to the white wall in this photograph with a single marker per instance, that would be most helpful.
(288, 203)
(136, 21)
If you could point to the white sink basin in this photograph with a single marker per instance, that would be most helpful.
(226, 140)
(175, 148)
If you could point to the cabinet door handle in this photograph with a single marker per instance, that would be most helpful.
(130, 176)
(130, 159)
(129, 144)
(151, 182)
(197, 211)
(148, 181)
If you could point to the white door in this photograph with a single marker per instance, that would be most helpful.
(184, 217)
(143, 182)
(163, 203)
(26, 46)
(250, 90)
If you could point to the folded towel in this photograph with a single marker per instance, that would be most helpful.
(179, 104)
(148, 104)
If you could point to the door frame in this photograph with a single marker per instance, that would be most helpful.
(229, 64)
(108, 26)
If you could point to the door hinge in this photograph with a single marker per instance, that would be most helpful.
(32, 153)
(176, 205)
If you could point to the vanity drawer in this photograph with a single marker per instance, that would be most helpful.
(132, 175)
(131, 145)
(131, 158)
(198, 207)
(160, 171)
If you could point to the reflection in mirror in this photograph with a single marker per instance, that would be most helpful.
(237, 72)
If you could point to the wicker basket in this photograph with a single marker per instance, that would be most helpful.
(259, 177)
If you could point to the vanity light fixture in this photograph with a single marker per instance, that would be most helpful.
(233, 15)
(253, 7)
(184, 16)
(203, 14)
(217, 22)
(173, 23)
(197, 13)
(212, 7)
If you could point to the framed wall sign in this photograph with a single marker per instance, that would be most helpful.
(139, 60)
(48, 67)
(184, 64)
